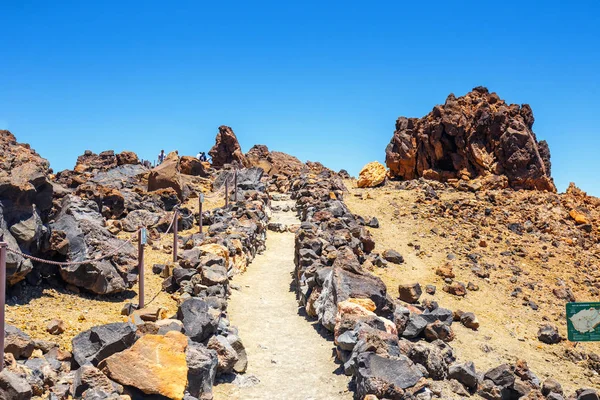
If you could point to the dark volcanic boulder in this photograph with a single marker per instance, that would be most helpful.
(25, 202)
(167, 175)
(227, 149)
(477, 135)
(385, 377)
(198, 319)
(100, 342)
(202, 370)
(341, 285)
(81, 235)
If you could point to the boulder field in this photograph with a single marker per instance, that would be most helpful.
(392, 348)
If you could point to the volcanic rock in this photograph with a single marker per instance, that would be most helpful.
(385, 377)
(13, 387)
(154, 364)
(549, 334)
(477, 135)
(127, 158)
(409, 292)
(17, 342)
(85, 238)
(373, 174)
(192, 166)
(202, 370)
(197, 318)
(99, 342)
(167, 175)
(227, 149)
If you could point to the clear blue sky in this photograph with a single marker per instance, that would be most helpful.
(322, 80)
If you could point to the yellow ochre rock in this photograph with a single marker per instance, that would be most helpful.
(372, 174)
(155, 364)
(579, 217)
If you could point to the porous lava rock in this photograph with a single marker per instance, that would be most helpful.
(227, 149)
(476, 135)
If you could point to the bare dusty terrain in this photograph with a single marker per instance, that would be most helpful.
(523, 268)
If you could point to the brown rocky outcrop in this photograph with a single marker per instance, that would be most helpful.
(476, 135)
(25, 201)
(227, 149)
(192, 166)
(166, 175)
(273, 162)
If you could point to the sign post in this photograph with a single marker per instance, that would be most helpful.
(2, 297)
(175, 238)
(142, 240)
(583, 322)
(201, 197)
(226, 192)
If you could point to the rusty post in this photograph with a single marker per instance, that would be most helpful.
(175, 237)
(235, 186)
(201, 200)
(141, 245)
(2, 297)
(226, 192)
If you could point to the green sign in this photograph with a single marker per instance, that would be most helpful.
(583, 322)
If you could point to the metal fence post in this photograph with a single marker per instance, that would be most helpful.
(201, 200)
(141, 245)
(226, 192)
(2, 297)
(175, 238)
(235, 186)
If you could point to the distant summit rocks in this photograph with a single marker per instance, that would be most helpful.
(227, 149)
(474, 136)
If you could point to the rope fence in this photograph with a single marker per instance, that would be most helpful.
(140, 235)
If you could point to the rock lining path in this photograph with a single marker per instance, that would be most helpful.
(289, 356)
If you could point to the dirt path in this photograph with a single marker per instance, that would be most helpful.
(286, 353)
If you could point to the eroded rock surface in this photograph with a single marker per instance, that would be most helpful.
(476, 135)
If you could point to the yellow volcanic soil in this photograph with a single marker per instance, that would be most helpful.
(508, 330)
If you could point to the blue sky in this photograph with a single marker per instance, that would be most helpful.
(324, 81)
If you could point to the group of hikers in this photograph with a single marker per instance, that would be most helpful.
(200, 156)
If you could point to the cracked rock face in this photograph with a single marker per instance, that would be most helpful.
(474, 136)
(227, 149)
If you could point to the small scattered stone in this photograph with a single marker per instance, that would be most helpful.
(55, 327)
(409, 292)
(549, 334)
(430, 289)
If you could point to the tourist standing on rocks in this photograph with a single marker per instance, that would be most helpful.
(202, 156)
(161, 157)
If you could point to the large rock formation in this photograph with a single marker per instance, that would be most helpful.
(167, 175)
(78, 234)
(25, 201)
(477, 135)
(227, 150)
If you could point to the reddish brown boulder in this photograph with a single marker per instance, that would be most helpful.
(167, 175)
(477, 135)
(227, 149)
(127, 157)
(192, 166)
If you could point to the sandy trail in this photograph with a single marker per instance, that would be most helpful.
(289, 355)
